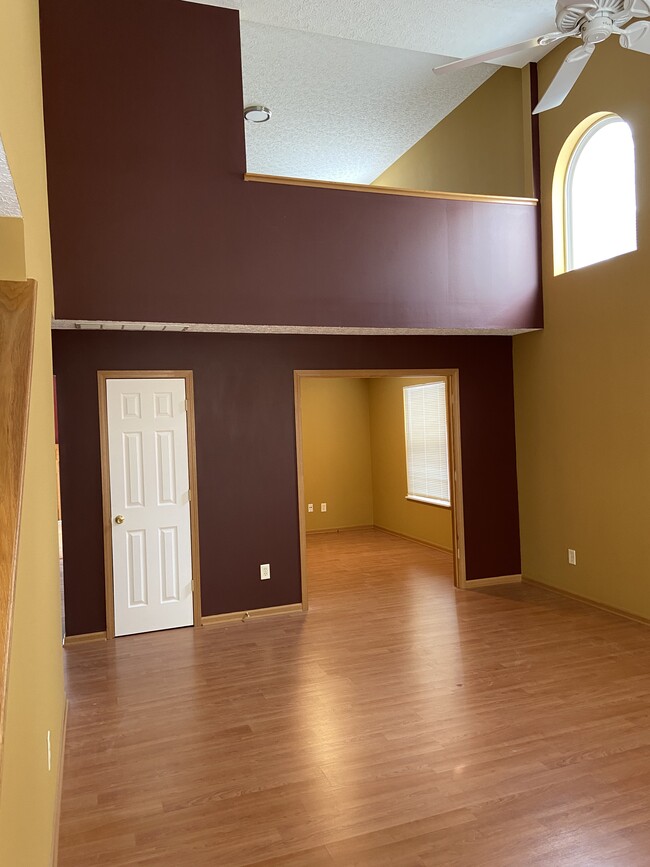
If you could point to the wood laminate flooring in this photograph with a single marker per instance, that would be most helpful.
(400, 722)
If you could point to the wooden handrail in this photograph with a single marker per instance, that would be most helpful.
(388, 191)
(17, 319)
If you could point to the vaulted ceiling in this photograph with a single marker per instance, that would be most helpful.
(349, 82)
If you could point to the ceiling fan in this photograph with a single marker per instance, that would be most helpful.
(591, 21)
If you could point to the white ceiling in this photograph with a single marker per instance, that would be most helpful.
(349, 82)
(455, 28)
(342, 110)
(9, 206)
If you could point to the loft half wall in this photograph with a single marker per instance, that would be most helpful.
(153, 219)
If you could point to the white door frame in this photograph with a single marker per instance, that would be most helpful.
(453, 412)
(102, 377)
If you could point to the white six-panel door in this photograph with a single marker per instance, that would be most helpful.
(150, 511)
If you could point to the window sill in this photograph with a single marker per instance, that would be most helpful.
(429, 501)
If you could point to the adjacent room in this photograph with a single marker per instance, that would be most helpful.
(375, 461)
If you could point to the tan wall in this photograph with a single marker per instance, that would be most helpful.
(35, 703)
(478, 148)
(582, 386)
(336, 452)
(392, 510)
(12, 249)
(354, 459)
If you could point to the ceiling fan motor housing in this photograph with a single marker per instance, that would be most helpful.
(597, 30)
(594, 18)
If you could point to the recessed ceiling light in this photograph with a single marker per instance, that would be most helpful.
(257, 113)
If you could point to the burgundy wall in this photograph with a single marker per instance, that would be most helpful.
(246, 452)
(151, 219)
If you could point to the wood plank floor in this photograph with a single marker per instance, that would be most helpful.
(401, 722)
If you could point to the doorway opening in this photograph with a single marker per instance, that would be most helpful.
(378, 452)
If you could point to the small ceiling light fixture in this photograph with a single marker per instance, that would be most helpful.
(257, 113)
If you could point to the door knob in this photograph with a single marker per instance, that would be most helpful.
(119, 519)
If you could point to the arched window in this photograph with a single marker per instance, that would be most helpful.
(599, 194)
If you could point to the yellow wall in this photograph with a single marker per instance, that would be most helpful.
(336, 452)
(354, 459)
(35, 701)
(478, 148)
(12, 249)
(392, 511)
(582, 385)
(582, 393)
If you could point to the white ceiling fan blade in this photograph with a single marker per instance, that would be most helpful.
(637, 37)
(565, 78)
(637, 8)
(501, 52)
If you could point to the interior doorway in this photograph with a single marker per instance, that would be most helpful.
(403, 392)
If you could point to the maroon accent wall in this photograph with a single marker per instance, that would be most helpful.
(151, 219)
(246, 452)
(534, 121)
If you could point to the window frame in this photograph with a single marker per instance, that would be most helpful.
(419, 498)
(566, 165)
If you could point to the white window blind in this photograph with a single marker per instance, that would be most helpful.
(427, 450)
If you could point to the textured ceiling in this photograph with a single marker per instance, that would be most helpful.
(9, 206)
(448, 27)
(349, 82)
(342, 110)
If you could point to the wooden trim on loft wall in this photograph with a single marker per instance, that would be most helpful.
(387, 191)
(453, 389)
(17, 323)
(102, 377)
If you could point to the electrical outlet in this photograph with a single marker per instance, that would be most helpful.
(323, 507)
(310, 507)
(572, 557)
(265, 571)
